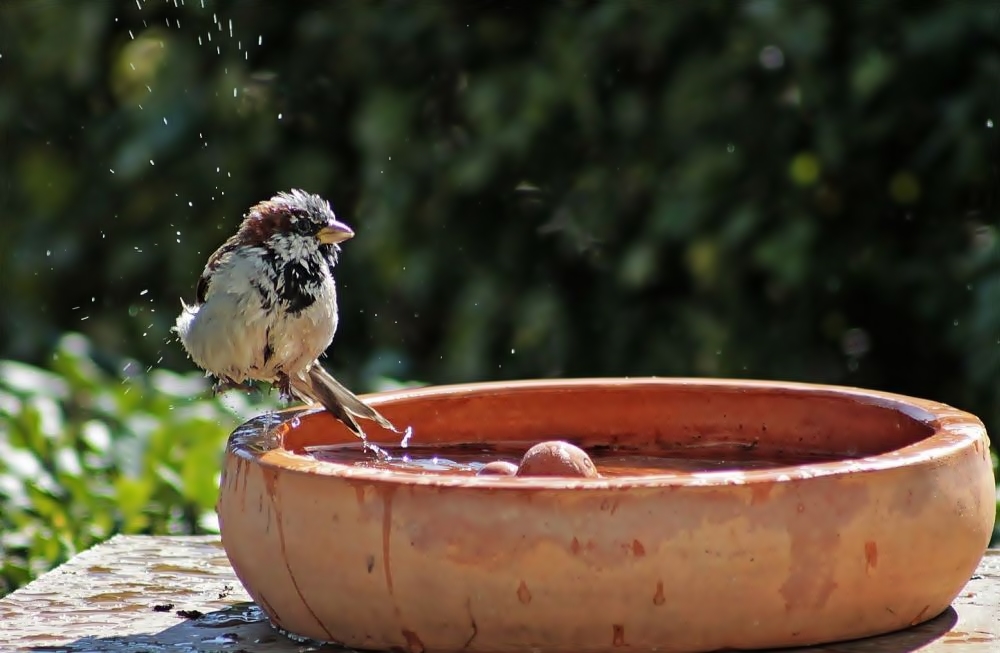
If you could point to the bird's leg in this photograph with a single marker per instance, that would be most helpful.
(284, 386)
(225, 384)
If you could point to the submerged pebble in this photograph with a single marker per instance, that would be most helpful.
(557, 458)
(498, 468)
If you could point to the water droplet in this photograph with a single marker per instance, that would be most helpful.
(279, 116)
(989, 124)
(164, 120)
(151, 162)
(730, 148)
(141, 293)
(771, 57)
(260, 40)
(112, 170)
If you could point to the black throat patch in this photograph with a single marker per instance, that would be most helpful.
(298, 285)
(296, 282)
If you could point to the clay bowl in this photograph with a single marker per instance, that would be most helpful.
(880, 533)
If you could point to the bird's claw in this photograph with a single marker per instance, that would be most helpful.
(284, 385)
(225, 385)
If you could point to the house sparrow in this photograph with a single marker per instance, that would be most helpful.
(266, 306)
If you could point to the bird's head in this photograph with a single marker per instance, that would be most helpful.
(295, 222)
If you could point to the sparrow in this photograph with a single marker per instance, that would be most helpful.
(266, 306)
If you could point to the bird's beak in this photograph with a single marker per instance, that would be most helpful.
(334, 232)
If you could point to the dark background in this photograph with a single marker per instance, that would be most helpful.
(759, 189)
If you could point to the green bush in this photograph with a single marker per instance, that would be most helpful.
(91, 452)
(94, 448)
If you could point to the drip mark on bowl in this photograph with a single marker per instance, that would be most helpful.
(871, 555)
(387, 496)
(523, 594)
(658, 597)
(413, 643)
(920, 616)
(618, 635)
(272, 481)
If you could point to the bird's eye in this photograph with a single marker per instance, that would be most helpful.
(304, 227)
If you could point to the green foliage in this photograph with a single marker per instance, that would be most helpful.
(755, 189)
(90, 452)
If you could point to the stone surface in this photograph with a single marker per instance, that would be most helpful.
(152, 594)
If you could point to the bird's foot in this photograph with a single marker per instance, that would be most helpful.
(224, 385)
(284, 385)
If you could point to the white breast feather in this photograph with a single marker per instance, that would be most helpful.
(227, 335)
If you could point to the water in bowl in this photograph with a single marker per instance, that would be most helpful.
(468, 459)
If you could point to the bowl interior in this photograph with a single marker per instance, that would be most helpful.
(741, 420)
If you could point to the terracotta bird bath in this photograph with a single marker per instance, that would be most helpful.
(784, 514)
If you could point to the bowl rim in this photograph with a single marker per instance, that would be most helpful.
(259, 439)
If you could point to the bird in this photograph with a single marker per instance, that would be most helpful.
(265, 307)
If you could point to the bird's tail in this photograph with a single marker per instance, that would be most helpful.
(319, 385)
